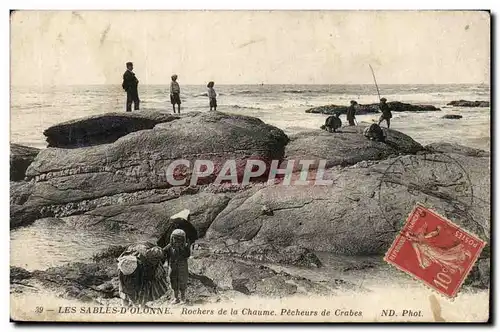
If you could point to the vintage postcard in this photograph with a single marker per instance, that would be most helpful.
(250, 166)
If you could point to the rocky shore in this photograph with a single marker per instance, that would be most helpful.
(468, 103)
(89, 180)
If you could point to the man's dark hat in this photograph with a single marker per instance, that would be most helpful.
(129, 64)
(383, 99)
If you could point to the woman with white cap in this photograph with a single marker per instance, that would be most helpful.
(141, 274)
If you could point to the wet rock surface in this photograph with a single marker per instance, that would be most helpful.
(20, 158)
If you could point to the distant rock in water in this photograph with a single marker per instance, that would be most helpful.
(20, 158)
(102, 128)
(452, 116)
(394, 106)
(468, 103)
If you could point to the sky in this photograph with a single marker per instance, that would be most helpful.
(250, 47)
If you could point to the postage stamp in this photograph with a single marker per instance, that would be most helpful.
(435, 251)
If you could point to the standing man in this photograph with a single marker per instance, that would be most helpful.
(351, 113)
(129, 84)
(386, 112)
(175, 92)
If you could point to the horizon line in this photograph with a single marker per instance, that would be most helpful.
(256, 84)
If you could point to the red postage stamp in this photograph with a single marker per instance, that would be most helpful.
(435, 251)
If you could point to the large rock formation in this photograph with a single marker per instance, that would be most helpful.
(361, 212)
(468, 103)
(102, 128)
(394, 106)
(20, 158)
(73, 181)
(122, 186)
(149, 219)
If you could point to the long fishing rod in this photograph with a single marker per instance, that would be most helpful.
(373, 73)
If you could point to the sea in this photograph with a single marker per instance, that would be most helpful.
(33, 109)
(47, 244)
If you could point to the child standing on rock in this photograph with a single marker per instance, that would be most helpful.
(175, 92)
(212, 96)
(177, 253)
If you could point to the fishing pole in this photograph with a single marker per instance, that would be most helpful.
(373, 73)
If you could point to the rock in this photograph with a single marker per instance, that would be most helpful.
(443, 147)
(148, 221)
(267, 253)
(20, 158)
(139, 161)
(20, 192)
(363, 210)
(266, 211)
(102, 128)
(347, 147)
(467, 103)
(252, 278)
(134, 167)
(18, 273)
(394, 106)
(479, 275)
(452, 116)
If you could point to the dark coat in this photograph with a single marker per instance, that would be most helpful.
(130, 82)
(386, 111)
(351, 113)
(333, 122)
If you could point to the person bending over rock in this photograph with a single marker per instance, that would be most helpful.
(332, 123)
(142, 277)
(374, 132)
(177, 253)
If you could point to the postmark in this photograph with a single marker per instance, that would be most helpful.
(432, 179)
(435, 251)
